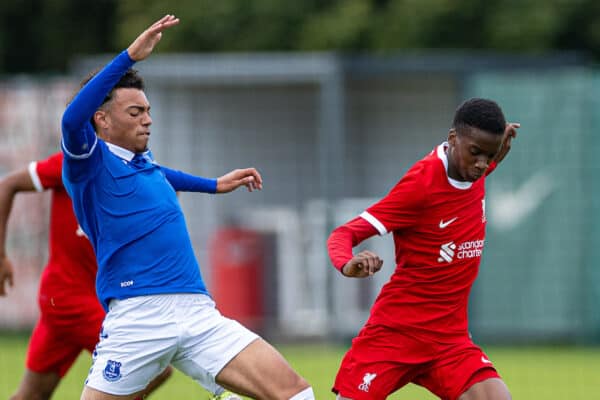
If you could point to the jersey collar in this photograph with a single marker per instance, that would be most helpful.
(125, 154)
(441, 153)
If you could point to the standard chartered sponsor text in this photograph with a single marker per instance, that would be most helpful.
(470, 249)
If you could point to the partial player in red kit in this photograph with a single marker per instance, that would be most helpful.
(417, 330)
(70, 313)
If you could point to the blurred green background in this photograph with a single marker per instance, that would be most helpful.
(403, 66)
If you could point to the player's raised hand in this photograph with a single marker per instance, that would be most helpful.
(248, 177)
(510, 132)
(6, 274)
(143, 45)
(365, 263)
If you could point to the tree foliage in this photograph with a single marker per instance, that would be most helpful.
(42, 35)
(372, 25)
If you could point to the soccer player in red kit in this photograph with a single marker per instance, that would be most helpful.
(417, 329)
(70, 314)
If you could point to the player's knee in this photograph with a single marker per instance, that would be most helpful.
(305, 394)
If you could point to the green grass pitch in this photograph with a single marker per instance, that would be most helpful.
(530, 372)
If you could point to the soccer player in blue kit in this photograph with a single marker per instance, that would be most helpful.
(159, 310)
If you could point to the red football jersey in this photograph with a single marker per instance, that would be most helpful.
(67, 287)
(439, 230)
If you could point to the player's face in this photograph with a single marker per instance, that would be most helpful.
(471, 152)
(126, 120)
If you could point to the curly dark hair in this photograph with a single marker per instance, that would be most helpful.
(131, 79)
(482, 114)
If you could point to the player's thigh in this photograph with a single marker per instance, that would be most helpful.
(379, 362)
(94, 394)
(489, 389)
(260, 371)
(159, 380)
(364, 377)
(458, 368)
(208, 340)
(51, 350)
(38, 386)
(139, 337)
(88, 329)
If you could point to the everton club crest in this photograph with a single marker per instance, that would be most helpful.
(112, 371)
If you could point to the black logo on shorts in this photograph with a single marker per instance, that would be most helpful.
(112, 371)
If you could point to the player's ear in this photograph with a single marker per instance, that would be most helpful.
(452, 137)
(100, 119)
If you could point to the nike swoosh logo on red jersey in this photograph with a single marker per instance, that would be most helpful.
(444, 224)
(485, 360)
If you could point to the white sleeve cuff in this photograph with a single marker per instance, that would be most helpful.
(37, 183)
(375, 222)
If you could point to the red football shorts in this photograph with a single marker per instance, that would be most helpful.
(56, 341)
(381, 361)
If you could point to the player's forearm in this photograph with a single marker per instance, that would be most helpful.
(10, 185)
(339, 247)
(13, 183)
(344, 238)
(7, 194)
(189, 183)
(80, 111)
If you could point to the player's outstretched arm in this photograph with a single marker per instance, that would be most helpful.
(365, 263)
(510, 132)
(184, 182)
(143, 45)
(78, 135)
(10, 185)
(248, 177)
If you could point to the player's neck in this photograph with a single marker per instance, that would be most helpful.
(452, 171)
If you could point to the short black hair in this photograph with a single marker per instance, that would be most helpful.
(130, 79)
(482, 114)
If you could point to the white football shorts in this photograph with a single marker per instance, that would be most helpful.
(142, 335)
